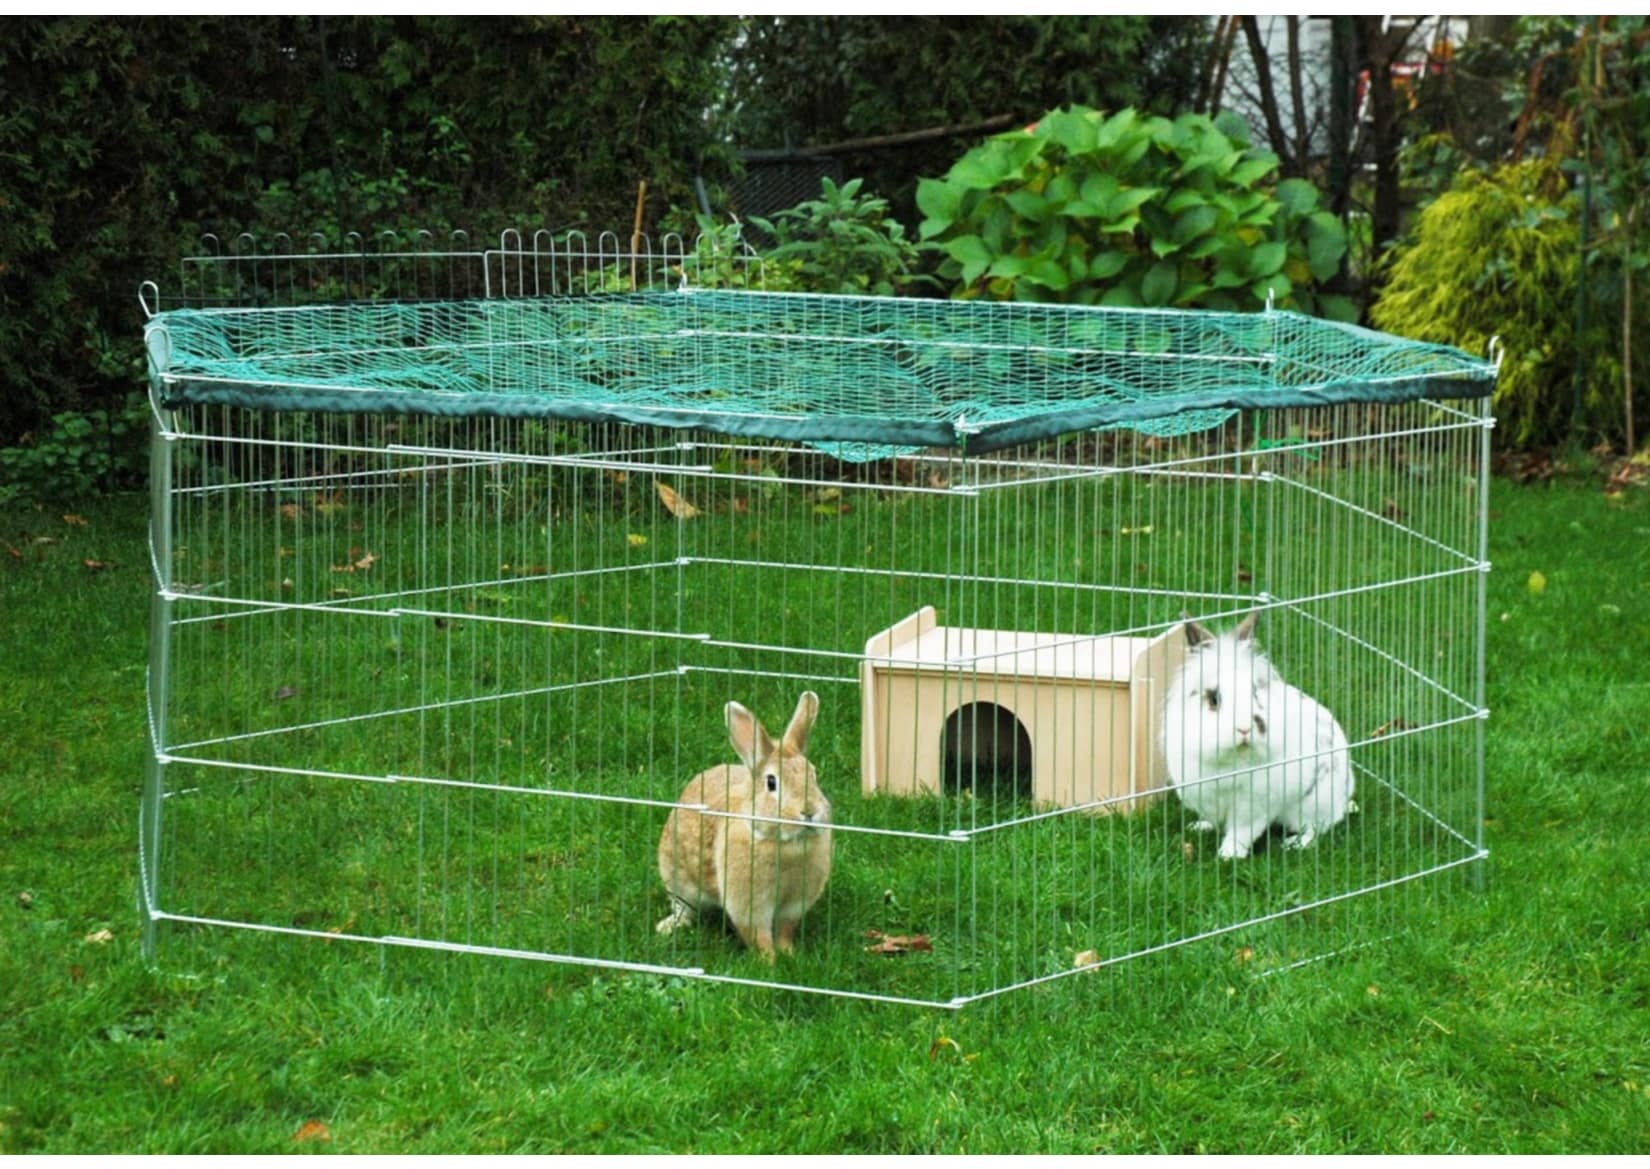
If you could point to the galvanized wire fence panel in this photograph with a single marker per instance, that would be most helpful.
(438, 680)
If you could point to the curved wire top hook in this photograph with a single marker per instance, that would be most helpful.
(149, 290)
(1497, 350)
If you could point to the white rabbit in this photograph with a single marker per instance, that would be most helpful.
(1246, 750)
(767, 862)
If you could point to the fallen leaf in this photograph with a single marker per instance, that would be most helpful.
(367, 561)
(636, 541)
(1086, 958)
(896, 943)
(1244, 956)
(1373, 991)
(77, 974)
(1537, 584)
(290, 511)
(741, 505)
(75, 521)
(100, 937)
(25, 900)
(1390, 509)
(1188, 851)
(329, 505)
(674, 503)
(284, 693)
(1397, 724)
(946, 1043)
(312, 1130)
(937, 481)
(96, 565)
(17, 553)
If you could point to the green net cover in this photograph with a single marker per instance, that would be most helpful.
(862, 377)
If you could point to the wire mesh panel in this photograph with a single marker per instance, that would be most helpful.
(434, 665)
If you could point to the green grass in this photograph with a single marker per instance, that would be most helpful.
(1512, 1018)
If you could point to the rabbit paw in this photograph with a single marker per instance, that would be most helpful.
(1231, 850)
(1204, 826)
(681, 915)
(1302, 839)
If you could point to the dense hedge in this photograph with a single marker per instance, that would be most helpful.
(124, 138)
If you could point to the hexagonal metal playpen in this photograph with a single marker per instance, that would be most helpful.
(460, 555)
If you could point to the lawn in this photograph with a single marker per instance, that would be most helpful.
(1511, 1016)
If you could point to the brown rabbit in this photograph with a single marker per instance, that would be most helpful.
(767, 860)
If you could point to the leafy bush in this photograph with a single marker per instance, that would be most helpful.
(1500, 254)
(125, 137)
(820, 79)
(843, 242)
(80, 454)
(1130, 211)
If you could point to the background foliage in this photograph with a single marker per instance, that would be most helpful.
(820, 80)
(124, 138)
(1131, 211)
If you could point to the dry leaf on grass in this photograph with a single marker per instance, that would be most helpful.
(674, 503)
(100, 937)
(897, 943)
(312, 1130)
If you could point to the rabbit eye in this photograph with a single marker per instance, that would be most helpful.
(1212, 698)
(773, 782)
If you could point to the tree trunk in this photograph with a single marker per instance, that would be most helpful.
(1343, 55)
(1268, 97)
(1381, 48)
(1297, 96)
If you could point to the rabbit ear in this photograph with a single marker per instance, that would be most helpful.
(1246, 627)
(796, 733)
(1196, 635)
(750, 740)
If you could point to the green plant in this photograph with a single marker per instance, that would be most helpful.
(844, 242)
(80, 454)
(1128, 210)
(1500, 254)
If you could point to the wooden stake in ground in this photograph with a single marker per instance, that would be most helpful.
(636, 230)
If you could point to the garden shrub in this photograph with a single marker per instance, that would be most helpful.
(1131, 211)
(1500, 254)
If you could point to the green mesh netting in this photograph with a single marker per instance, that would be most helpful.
(861, 377)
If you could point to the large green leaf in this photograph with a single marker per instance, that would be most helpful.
(940, 202)
(1123, 295)
(1107, 264)
(1267, 258)
(977, 172)
(1325, 245)
(1193, 222)
(1072, 130)
(1159, 284)
(1048, 272)
(969, 251)
(1029, 204)
(1251, 171)
(1298, 196)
